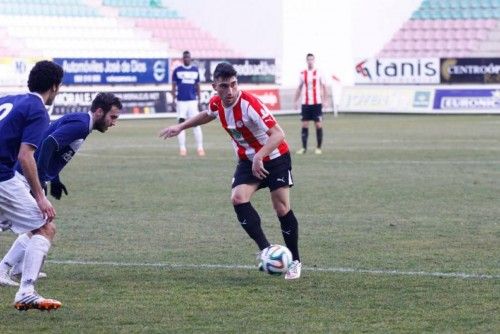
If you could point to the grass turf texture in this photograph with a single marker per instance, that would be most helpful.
(407, 193)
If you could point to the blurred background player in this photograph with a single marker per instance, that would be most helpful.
(264, 158)
(23, 121)
(312, 88)
(60, 143)
(186, 94)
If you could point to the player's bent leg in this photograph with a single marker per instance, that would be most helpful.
(13, 257)
(289, 228)
(247, 215)
(36, 252)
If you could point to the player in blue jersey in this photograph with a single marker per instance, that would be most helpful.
(186, 94)
(23, 121)
(60, 143)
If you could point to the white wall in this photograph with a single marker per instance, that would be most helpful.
(375, 22)
(319, 27)
(251, 27)
(338, 32)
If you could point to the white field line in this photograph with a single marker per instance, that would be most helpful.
(236, 266)
(370, 162)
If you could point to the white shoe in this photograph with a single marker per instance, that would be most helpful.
(294, 270)
(258, 258)
(5, 280)
(201, 152)
(301, 151)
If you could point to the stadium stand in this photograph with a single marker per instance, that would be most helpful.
(448, 28)
(100, 28)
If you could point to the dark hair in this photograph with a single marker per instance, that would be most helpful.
(105, 101)
(44, 75)
(309, 55)
(186, 53)
(224, 70)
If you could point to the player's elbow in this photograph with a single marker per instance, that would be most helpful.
(281, 136)
(279, 133)
(24, 156)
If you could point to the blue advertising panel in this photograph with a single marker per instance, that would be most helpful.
(250, 70)
(133, 102)
(470, 70)
(109, 71)
(467, 99)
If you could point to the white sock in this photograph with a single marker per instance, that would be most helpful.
(15, 254)
(198, 136)
(17, 269)
(35, 254)
(182, 139)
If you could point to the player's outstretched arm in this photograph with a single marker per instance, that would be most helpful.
(200, 119)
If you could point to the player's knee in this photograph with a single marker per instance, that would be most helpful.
(238, 199)
(281, 208)
(181, 120)
(48, 230)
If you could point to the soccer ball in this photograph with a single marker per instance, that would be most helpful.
(275, 259)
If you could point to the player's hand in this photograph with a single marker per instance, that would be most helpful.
(170, 131)
(48, 211)
(258, 169)
(296, 105)
(57, 188)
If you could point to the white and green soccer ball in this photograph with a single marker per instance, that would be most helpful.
(275, 259)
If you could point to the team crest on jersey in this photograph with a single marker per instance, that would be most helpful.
(235, 134)
(239, 124)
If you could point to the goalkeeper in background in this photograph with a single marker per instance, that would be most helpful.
(59, 144)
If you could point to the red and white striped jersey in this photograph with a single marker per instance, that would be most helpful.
(247, 123)
(311, 81)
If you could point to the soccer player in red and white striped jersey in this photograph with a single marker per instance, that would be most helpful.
(263, 158)
(312, 88)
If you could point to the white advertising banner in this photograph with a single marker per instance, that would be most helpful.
(398, 71)
(386, 99)
(15, 71)
(473, 99)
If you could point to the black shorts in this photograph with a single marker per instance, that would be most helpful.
(312, 112)
(280, 173)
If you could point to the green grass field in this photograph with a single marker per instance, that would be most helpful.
(393, 217)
